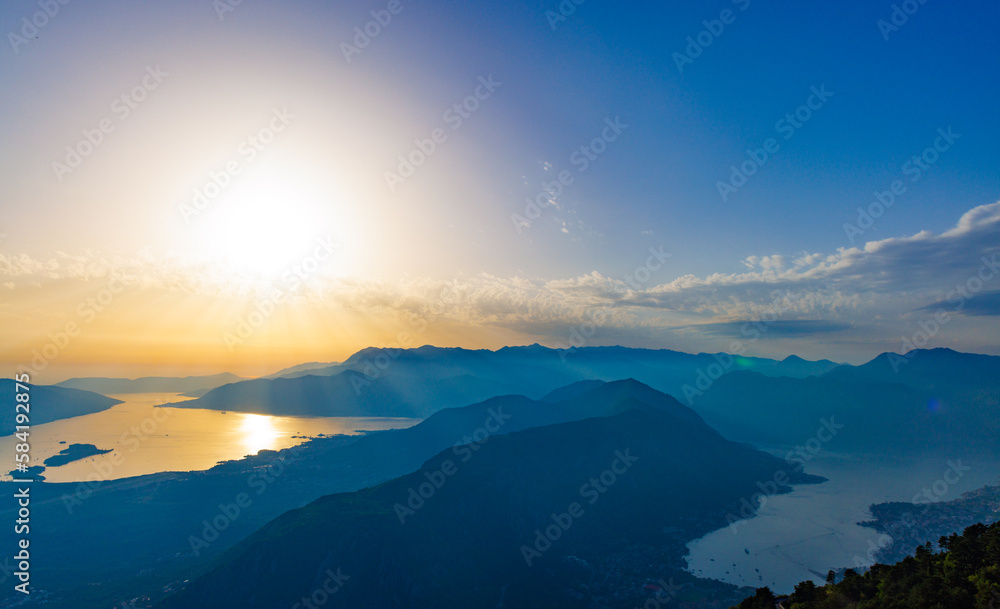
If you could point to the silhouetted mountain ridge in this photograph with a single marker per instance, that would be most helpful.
(420, 381)
(933, 400)
(49, 403)
(151, 384)
(465, 542)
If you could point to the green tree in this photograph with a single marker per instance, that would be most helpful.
(965, 574)
(763, 599)
(806, 592)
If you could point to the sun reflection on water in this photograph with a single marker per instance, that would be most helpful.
(258, 432)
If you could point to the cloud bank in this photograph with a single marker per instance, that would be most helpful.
(887, 281)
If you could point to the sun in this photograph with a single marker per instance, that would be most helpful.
(264, 222)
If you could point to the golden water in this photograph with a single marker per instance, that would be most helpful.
(146, 440)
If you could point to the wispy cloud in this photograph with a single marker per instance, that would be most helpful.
(985, 304)
(781, 328)
(886, 279)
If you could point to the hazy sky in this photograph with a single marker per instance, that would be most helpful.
(736, 155)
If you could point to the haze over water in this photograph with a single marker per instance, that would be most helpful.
(803, 534)
(147, 440)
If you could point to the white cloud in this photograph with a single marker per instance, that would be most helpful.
(886, 279)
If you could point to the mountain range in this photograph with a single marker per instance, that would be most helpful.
(418, 382)
(151, 384)
(505, 405)
(927, 400)
(185, 506)
(48, 403)
(549, 516)
(938, 401)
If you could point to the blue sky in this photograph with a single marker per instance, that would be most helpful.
(655, 185)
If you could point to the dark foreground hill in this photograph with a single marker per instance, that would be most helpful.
(565, 515)
(110, 522)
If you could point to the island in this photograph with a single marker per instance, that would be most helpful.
(75, 452)
(33, 472)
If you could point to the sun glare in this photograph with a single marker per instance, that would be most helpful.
(264, 222)
(258, 432)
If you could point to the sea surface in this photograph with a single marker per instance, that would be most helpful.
(147, 440)
(803, 534)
